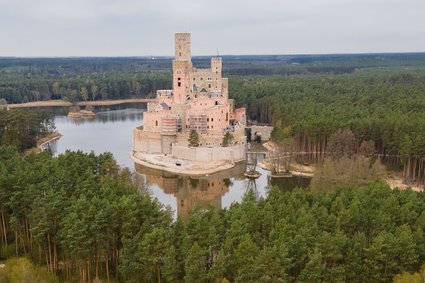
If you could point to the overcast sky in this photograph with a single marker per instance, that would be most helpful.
(146, 27)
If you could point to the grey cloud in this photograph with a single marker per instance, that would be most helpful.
(146, 27)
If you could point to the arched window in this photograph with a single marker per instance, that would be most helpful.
(156, 123)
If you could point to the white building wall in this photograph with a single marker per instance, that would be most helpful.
(207, 154)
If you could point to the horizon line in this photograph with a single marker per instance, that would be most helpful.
(197, 56)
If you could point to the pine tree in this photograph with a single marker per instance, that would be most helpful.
(195, 266)
(227, 139)
(193, 138)
(313, 270)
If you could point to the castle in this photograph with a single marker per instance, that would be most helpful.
(198, 101)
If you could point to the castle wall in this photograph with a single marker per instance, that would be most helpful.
(217, 115)
(240, 115)
(207, 154)
(177, 146)
(181, 82)
(146, 141)
(263, 131)
(152, 121)
(198, 100)
(216, 69)
(225, 88)
(166, 143)
(165, 96)
(203, 78)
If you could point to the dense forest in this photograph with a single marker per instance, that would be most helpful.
(387, 108)
(81, 217)
(23, 128)
(35, 79)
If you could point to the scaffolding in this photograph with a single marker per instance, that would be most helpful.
(171, 125)
(198, 123)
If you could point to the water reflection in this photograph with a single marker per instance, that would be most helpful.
(190, 192)
(111, 130)
(63, 111)
(288, 184)
(106, 117)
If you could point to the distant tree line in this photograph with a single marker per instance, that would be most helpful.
(33, 79)
(84, 87)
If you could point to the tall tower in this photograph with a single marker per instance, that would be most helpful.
(182, 65)
(216, 70)
(182, 46)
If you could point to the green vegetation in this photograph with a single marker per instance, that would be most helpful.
(406, 277)
(193, 138)
(385, 107)
(22, 128)
(379, 97)
(18, 270)
(71, 213)
(82, 87)
(80, 216)
(227, 139)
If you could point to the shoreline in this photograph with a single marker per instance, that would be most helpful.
(63, 103)
(181, 170)
(48, 139)
(396, 182)
(298, 170)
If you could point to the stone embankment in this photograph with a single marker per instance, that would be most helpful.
(41, 143)
(180, 166)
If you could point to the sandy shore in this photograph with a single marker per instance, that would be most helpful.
(394, 181)
(296, 168)
(168, 163)
(49, 138)
(397, 183)
(63, 103)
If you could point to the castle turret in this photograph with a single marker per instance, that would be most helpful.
(182, 65)
(216, 70)
(182, 46)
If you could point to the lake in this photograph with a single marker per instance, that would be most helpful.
(111, 130)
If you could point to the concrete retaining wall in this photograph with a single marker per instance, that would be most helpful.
(142, 142)
(154, 143)
(233, 153)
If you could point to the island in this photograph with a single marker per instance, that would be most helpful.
(194, 128)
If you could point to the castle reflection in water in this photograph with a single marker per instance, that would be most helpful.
(191, 191)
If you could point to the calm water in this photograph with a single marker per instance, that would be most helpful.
(111, 130)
